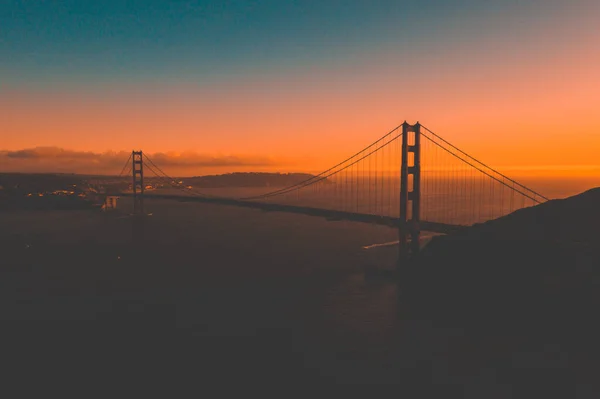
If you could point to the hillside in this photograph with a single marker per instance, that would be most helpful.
(532, 255)
(574, 219)
(528, 282)
(18, 183)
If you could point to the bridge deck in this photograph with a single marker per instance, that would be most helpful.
(435, 227)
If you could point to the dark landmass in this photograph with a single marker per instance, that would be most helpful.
(16, 184)
(528, 282)
(72, 191)
(546, 250)
(46, 192)
(24, 183)
(251, 179)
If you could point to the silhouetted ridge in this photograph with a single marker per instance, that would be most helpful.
(535, 272)
(573, 219)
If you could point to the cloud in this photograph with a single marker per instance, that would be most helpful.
(199, 160)
(50, 153)
(60, 160)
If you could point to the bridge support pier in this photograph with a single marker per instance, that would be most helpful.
(410, 192)
(137, 171)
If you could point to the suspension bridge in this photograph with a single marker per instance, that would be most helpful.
(410, 178)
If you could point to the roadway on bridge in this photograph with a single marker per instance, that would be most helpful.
(332, 215)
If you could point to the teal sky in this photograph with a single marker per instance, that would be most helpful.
(80, 41)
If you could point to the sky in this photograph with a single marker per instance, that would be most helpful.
(223, 86)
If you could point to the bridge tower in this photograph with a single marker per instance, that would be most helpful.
(137, 171)
(410, 190)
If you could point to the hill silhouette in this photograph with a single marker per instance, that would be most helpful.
(524, 283)
(534, 255)
(573, 219)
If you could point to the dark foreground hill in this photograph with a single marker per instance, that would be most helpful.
(539, 252)
(528, 282)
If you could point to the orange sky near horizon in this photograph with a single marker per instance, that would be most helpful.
(508, 124)
(525, 109)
